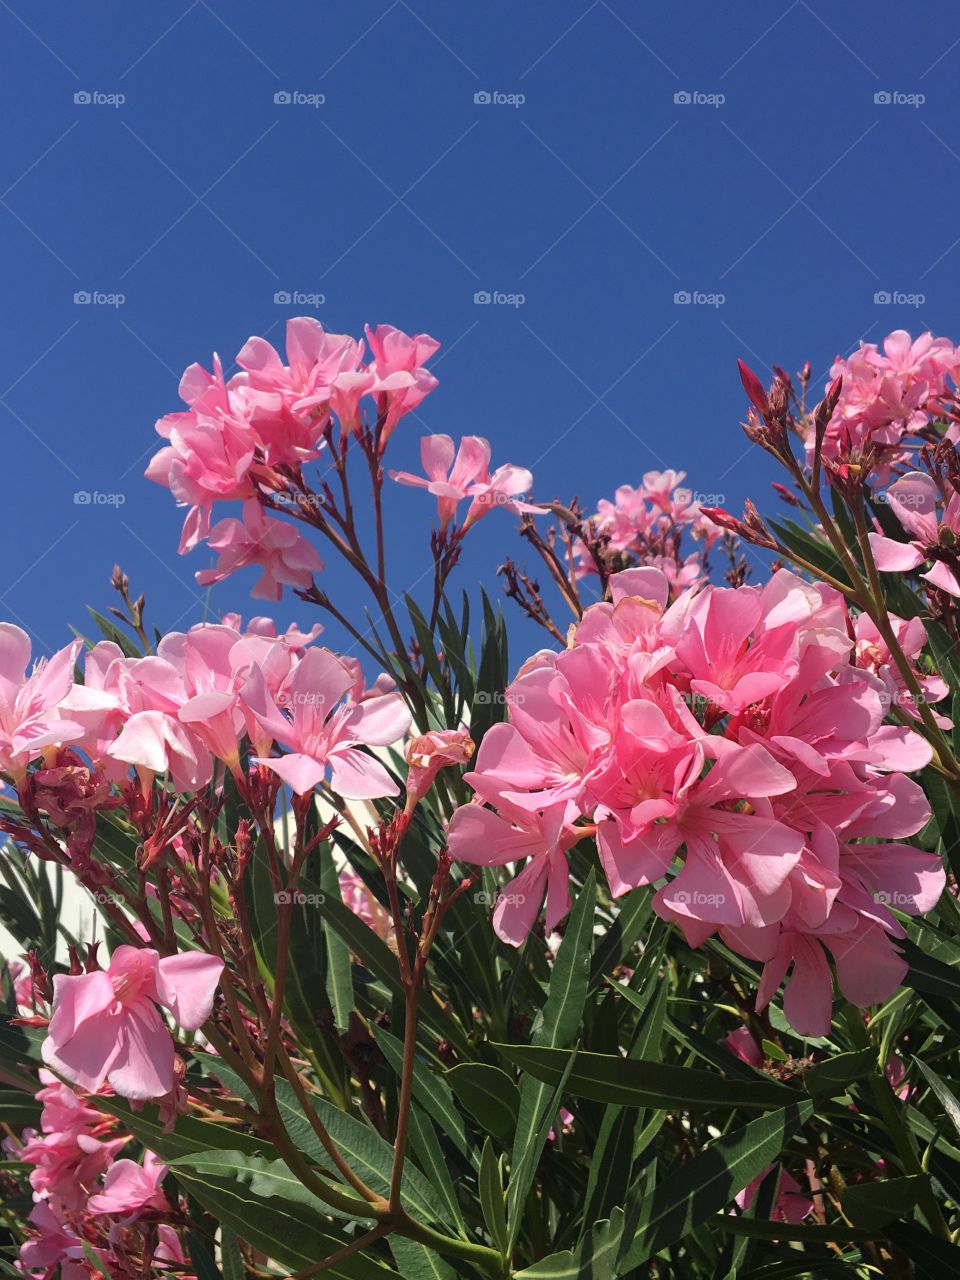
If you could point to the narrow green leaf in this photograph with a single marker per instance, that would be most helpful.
(430, 1156)
(430, 1090)
(491, 1197)
(339, 974)
(829, 1078)
(708, 1183)
(947, 1099)
(372, 1159)
(231, 1258)
(874, 1204)
(268, 1207)
(556, 1026)
(594, 1259)
(610, 1078)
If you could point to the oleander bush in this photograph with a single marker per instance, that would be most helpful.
(634, 956)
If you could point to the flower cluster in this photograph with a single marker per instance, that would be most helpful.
(645, 525)
(248, 436)
(730, 749)
(886, 396)
(88, 1204)
(207, 695)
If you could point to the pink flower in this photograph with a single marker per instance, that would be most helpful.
(106, 1025)
(914, 500)
(129, 1188)
(452, 478)
(401, 381)
(430, 752)
(326, 728)
(29, 719)
(285, 556)
(317, 362)
(481, 836)
(363, 903)
(791, 1202)
(211, 450)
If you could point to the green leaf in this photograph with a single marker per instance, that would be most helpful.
(557, 1025)
(491, 1197)
(609, 1078)
(594, 1259)
(873, 1204)
(489, 705)
(829, 1078)
(295, 1122)
(231, 1259)
(417, 1262)
(430, 1156)
(709, 1182)
(189, 1137)
(266, 1205)
(430, 1090)
(203, 1264)
(802, 1232)
(17, 1109)
(339, 973)
(19, 1055)
(372, 1159)
(932, 1258)
(488, 1094)
(946, 1098)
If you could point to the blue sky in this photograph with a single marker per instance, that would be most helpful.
(797, 160)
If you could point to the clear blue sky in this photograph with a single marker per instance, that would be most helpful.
(797, 197)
